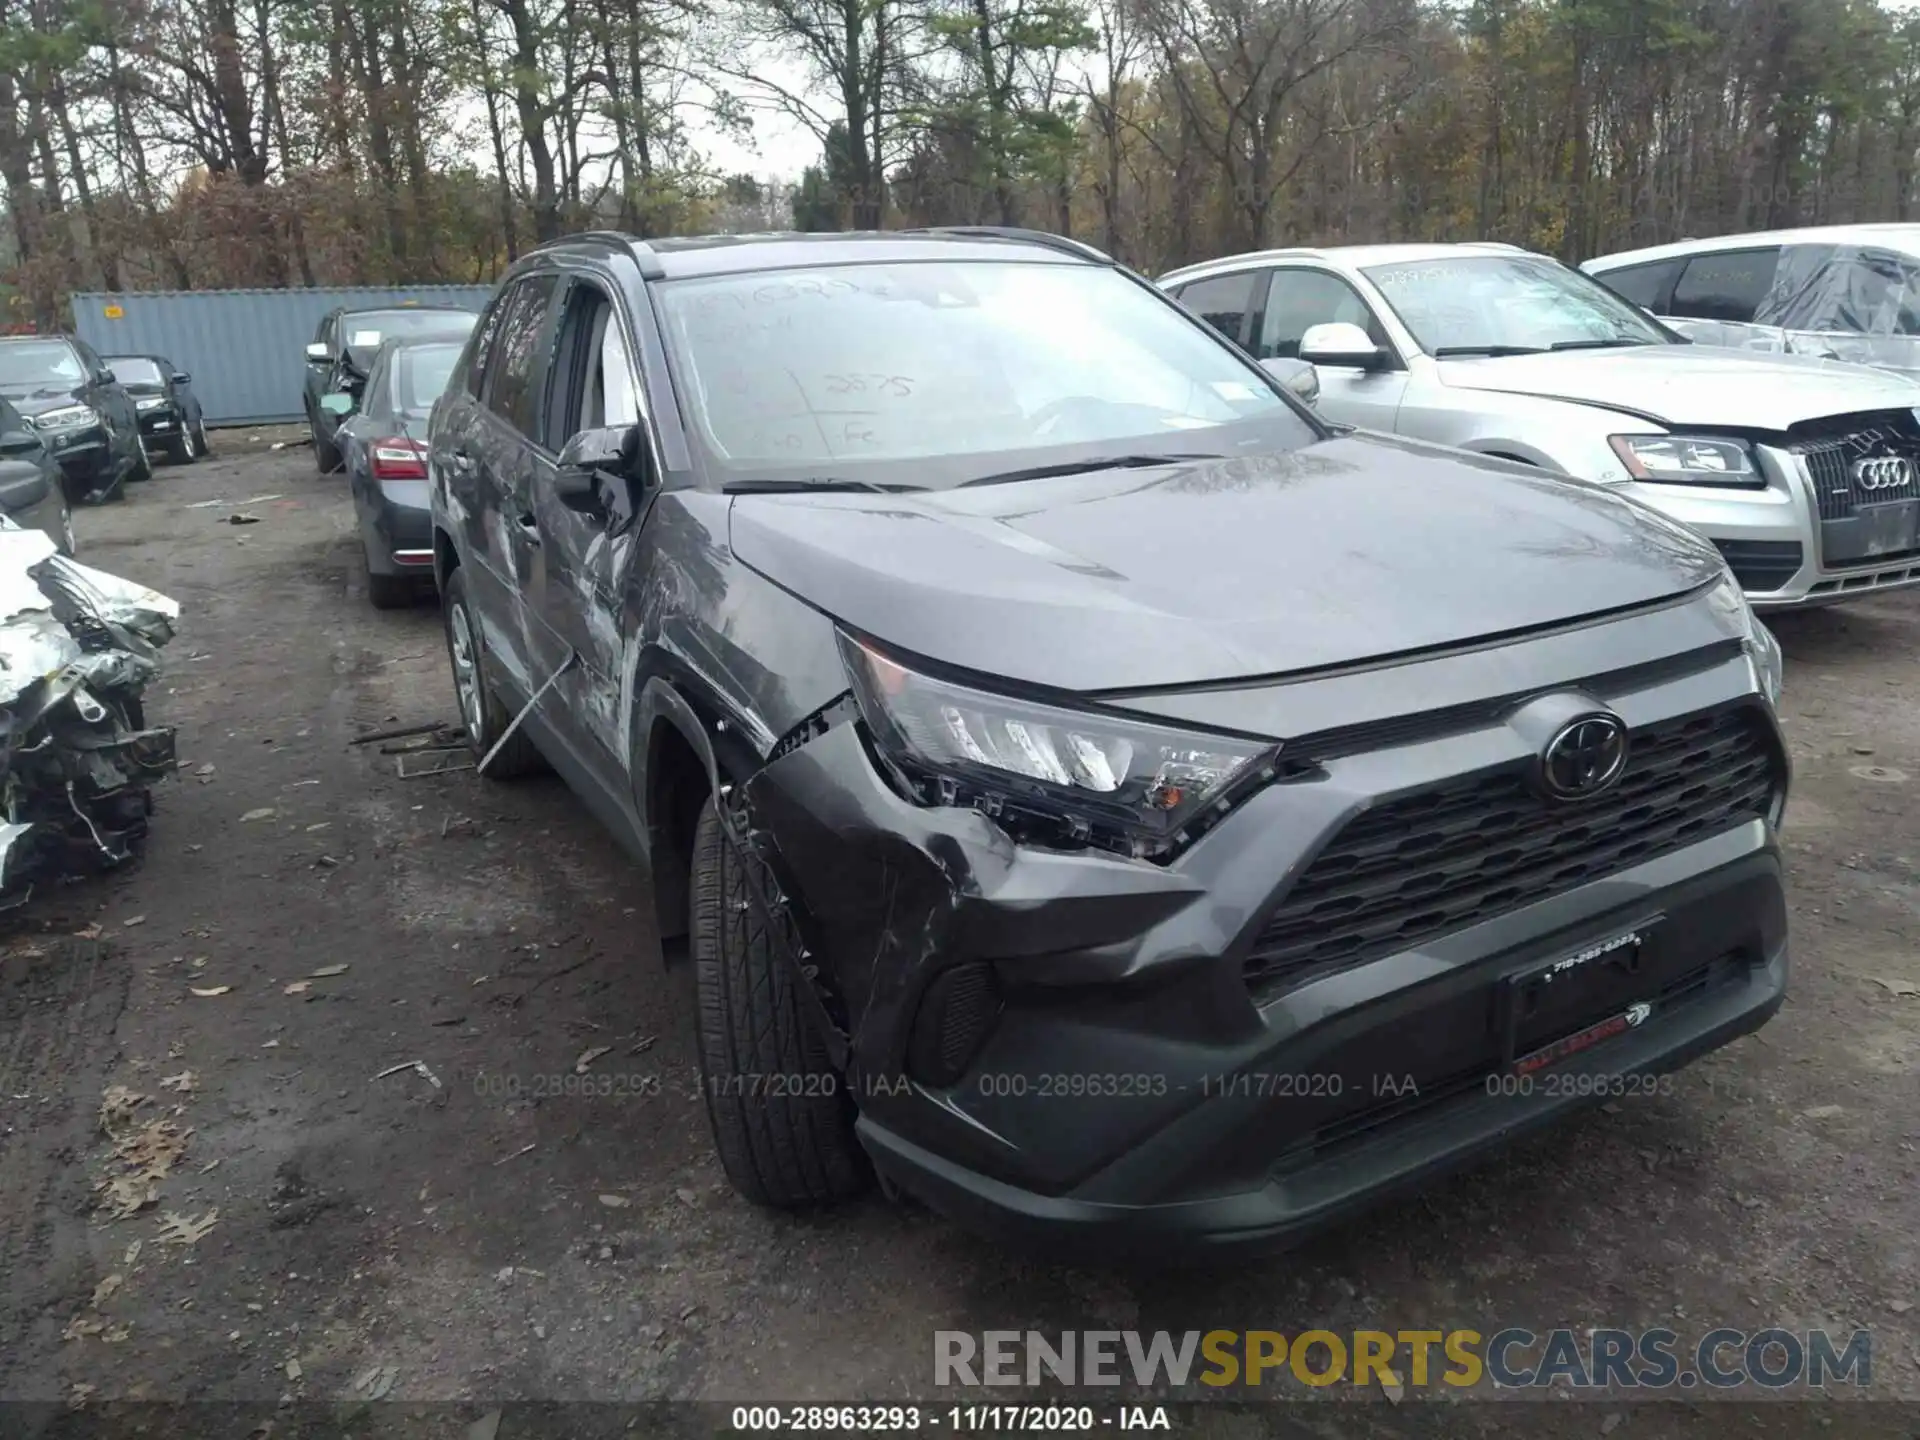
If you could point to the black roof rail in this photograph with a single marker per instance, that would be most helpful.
(1015, 232)
(650, 266)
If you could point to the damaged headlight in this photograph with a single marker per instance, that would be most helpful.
(158, 402)
(1730, 600)
(1125, 784)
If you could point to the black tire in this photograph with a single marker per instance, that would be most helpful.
(201, 449)
(485, 718)
(326, 454)
(142, 470)
(782, 1120)
(180, 450)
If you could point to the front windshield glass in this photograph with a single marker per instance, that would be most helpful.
(135, 370)
(952, 367)
(38, 363)
(1480, 304)
(420, 375)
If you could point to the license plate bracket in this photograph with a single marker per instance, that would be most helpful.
(1560, 1007)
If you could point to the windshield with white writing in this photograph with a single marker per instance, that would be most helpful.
(1504, 304)
(933, 373)
(135, 370)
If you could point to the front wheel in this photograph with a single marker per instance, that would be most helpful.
(201, 449)
(781, 1116)
(142, 462)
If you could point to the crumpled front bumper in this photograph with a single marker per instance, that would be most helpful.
(1128, 1081)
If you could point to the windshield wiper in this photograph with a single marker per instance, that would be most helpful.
(1081, 467)
(826, 483)
(1616, 342)
(1447, 352)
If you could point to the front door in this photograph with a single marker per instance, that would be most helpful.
(596, 384)
(1300, 297)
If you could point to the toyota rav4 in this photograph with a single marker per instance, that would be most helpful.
(1099, 796)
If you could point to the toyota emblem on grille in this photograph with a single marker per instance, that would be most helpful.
(1883, 472)
(1584, 758)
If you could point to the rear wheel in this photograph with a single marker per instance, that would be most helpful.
(782, 1119)
(180, 449)
(142, 461)
(484, 717)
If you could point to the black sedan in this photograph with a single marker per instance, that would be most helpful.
(170, 415)
(342, 350)
(79, 408)
(31, 495)
(382, 445)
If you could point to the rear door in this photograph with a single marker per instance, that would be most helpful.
(597, 383)
(1229, 303)
(315, 379)
(506, 451)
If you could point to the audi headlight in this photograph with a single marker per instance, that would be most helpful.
(1688, 459)
(67, 417)
(1758, 641)
(1076, 776)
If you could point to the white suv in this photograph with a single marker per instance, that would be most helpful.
(1805, 473)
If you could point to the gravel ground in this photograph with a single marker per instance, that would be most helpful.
(470, 1242)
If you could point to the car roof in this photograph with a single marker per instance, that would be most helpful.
(1344, 256)
(678, 257)
(398, 307)
(1890, 236)
(23, 339)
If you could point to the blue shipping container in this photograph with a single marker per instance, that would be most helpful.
(244, 348)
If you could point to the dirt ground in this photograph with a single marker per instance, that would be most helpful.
(449, 1238)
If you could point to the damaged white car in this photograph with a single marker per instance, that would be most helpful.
(77, 758)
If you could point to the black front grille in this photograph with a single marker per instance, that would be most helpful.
(1761, 565)
(1830, 460)
(1448, 857)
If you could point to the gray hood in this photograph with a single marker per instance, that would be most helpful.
(1692, 384)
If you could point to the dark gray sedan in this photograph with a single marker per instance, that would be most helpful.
(170, 415)
(382, 446)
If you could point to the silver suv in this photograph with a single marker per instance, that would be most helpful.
(1805, 473)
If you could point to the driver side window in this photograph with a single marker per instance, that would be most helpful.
(1297, 300)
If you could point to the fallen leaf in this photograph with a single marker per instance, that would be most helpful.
(205, 770)
(294, 1372)
(297, 987)
(1899, 1307)
(104, 1290)
(133, 1253)
(263, 814)
(82, 1325)
(587, 1057)
(375, 1383)
(326, 970)
(181, 1230)
(92, 932)
(117, 1334)
(135, 920)
(125, 1196)
(615, 1202)
(78, 1395)
(1896, 987)
(209, 991)
(186, 1082)
(117, 1104)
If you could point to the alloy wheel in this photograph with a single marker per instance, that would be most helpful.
(466, 672)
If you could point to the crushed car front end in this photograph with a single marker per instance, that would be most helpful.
(1394, 937)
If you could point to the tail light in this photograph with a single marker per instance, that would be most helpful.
(398, 458)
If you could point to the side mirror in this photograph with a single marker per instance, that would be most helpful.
(18, 442)
(1297, 375)
(599, 470)
(317, 354)
(181, 377)
(1340, 343)
(106, 377)
(337, 403)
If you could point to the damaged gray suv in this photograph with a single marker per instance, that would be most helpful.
(1101, 798)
